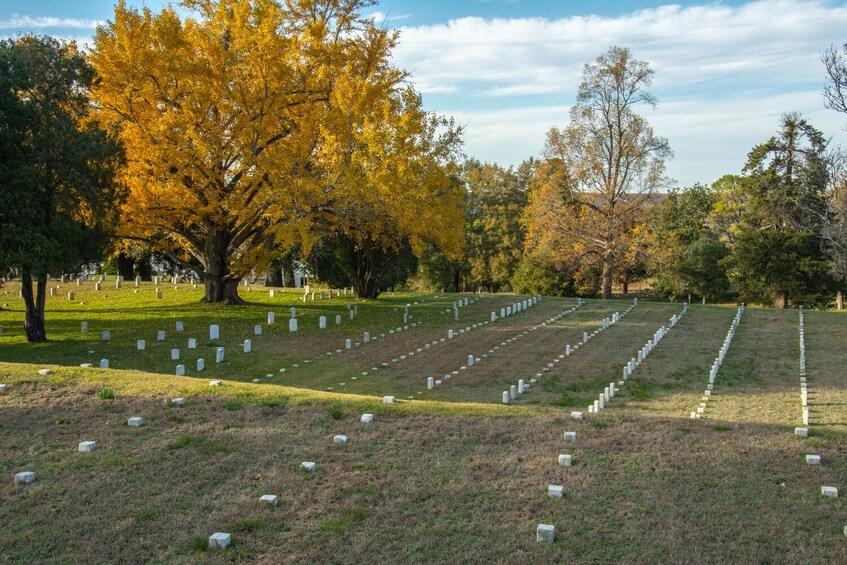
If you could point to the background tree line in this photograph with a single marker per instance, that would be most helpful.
(258, 139)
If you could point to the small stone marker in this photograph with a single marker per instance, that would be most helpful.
(158, 294)
(565, 459)
(192, 343)
(308, 465)
(248, 346)
(141, 345)
(180, 326)
(201, 365)
(576, 415)
(104, 363)
(24, 477)
(106, 335)
(813, 459)
(219, 355)
(545, 533)
(367, 418)
(831, 492)
(180, 370)
(214, 331)
(292, 325)
(135, 422)
(257, 330)
(388, 400)
(269, 498)
(338, 319)
(802, 432)
(430, 383)
(556, 491)
(339, 439)
(45, 372)
(348, 343)
(87, 446)
(71, 296)
(219, 540)
(506, 397)
(178, 401)
(174, 354)
(322, 322)
(160, 335)
(215, 383)
(570, 436)
(83, 327)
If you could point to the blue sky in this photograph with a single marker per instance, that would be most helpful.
(508, 70)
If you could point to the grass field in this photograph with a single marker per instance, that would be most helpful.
(449, 476)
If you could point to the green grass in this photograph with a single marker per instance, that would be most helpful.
(452, 472)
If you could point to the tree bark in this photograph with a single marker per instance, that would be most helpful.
(625, 287)
(221, 285)
(839, 300)
(608, 273)
(126, 266)
(782, 300)
(34, 318)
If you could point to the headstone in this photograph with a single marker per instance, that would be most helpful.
(292, 325)
(180, 370)
(214, 331)
(339, 439)
(137, 281)
(802, 432)
(97, 286)
(104, 363)
(83, 327)
(87, 446)
(160, 335)
(219, 540)
(178, 401)
(70, 296)
(565, 459)
(201, 365)
(813, 459)
(140, 345)
(118, 283)
(576, 415)
(174, 354)
(269, 499)
(158, 294)
(135, 422)
(831, 492)
(219, 355)
(388, 400)
(470, 360)
(308, 465)
(545, 533)
(272, 293)
(513, 392)
(248, 346)
(180, 326)
(216, 383)
(45, 372)
(322, 322)
(192, 343)
(257, 330)
(24, 477)
(556, 491)
(348, 343)
(367, 418)
(570, 436)
(506, 397)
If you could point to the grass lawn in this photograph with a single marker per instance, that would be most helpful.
(448, 475)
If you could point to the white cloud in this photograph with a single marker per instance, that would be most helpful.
(723, 75)
(18, 21)
(771, 41)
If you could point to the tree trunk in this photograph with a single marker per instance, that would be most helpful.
(625, 287)
(274, 278)
(34, 319)
(839, 300)
(288, 274)
(703, 299)
(456, 280)
(782, 300)
(126, 266)
(608, 272)
(221, 284)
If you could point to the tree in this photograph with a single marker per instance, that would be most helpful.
(221, 114)
(687, 254)
(778, 251)
(835, 91)
(496, 198)
(58, 194)
(609, 160)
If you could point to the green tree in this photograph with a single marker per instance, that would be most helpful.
(778, 251)
(58, 194)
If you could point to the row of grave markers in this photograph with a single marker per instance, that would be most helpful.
(609, 392)
(716, 365)
(811, 458)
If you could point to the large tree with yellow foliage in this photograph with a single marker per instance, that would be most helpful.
(232, 121)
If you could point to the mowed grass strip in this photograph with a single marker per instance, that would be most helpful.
(424, 482)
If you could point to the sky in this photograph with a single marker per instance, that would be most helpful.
(508, 70)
